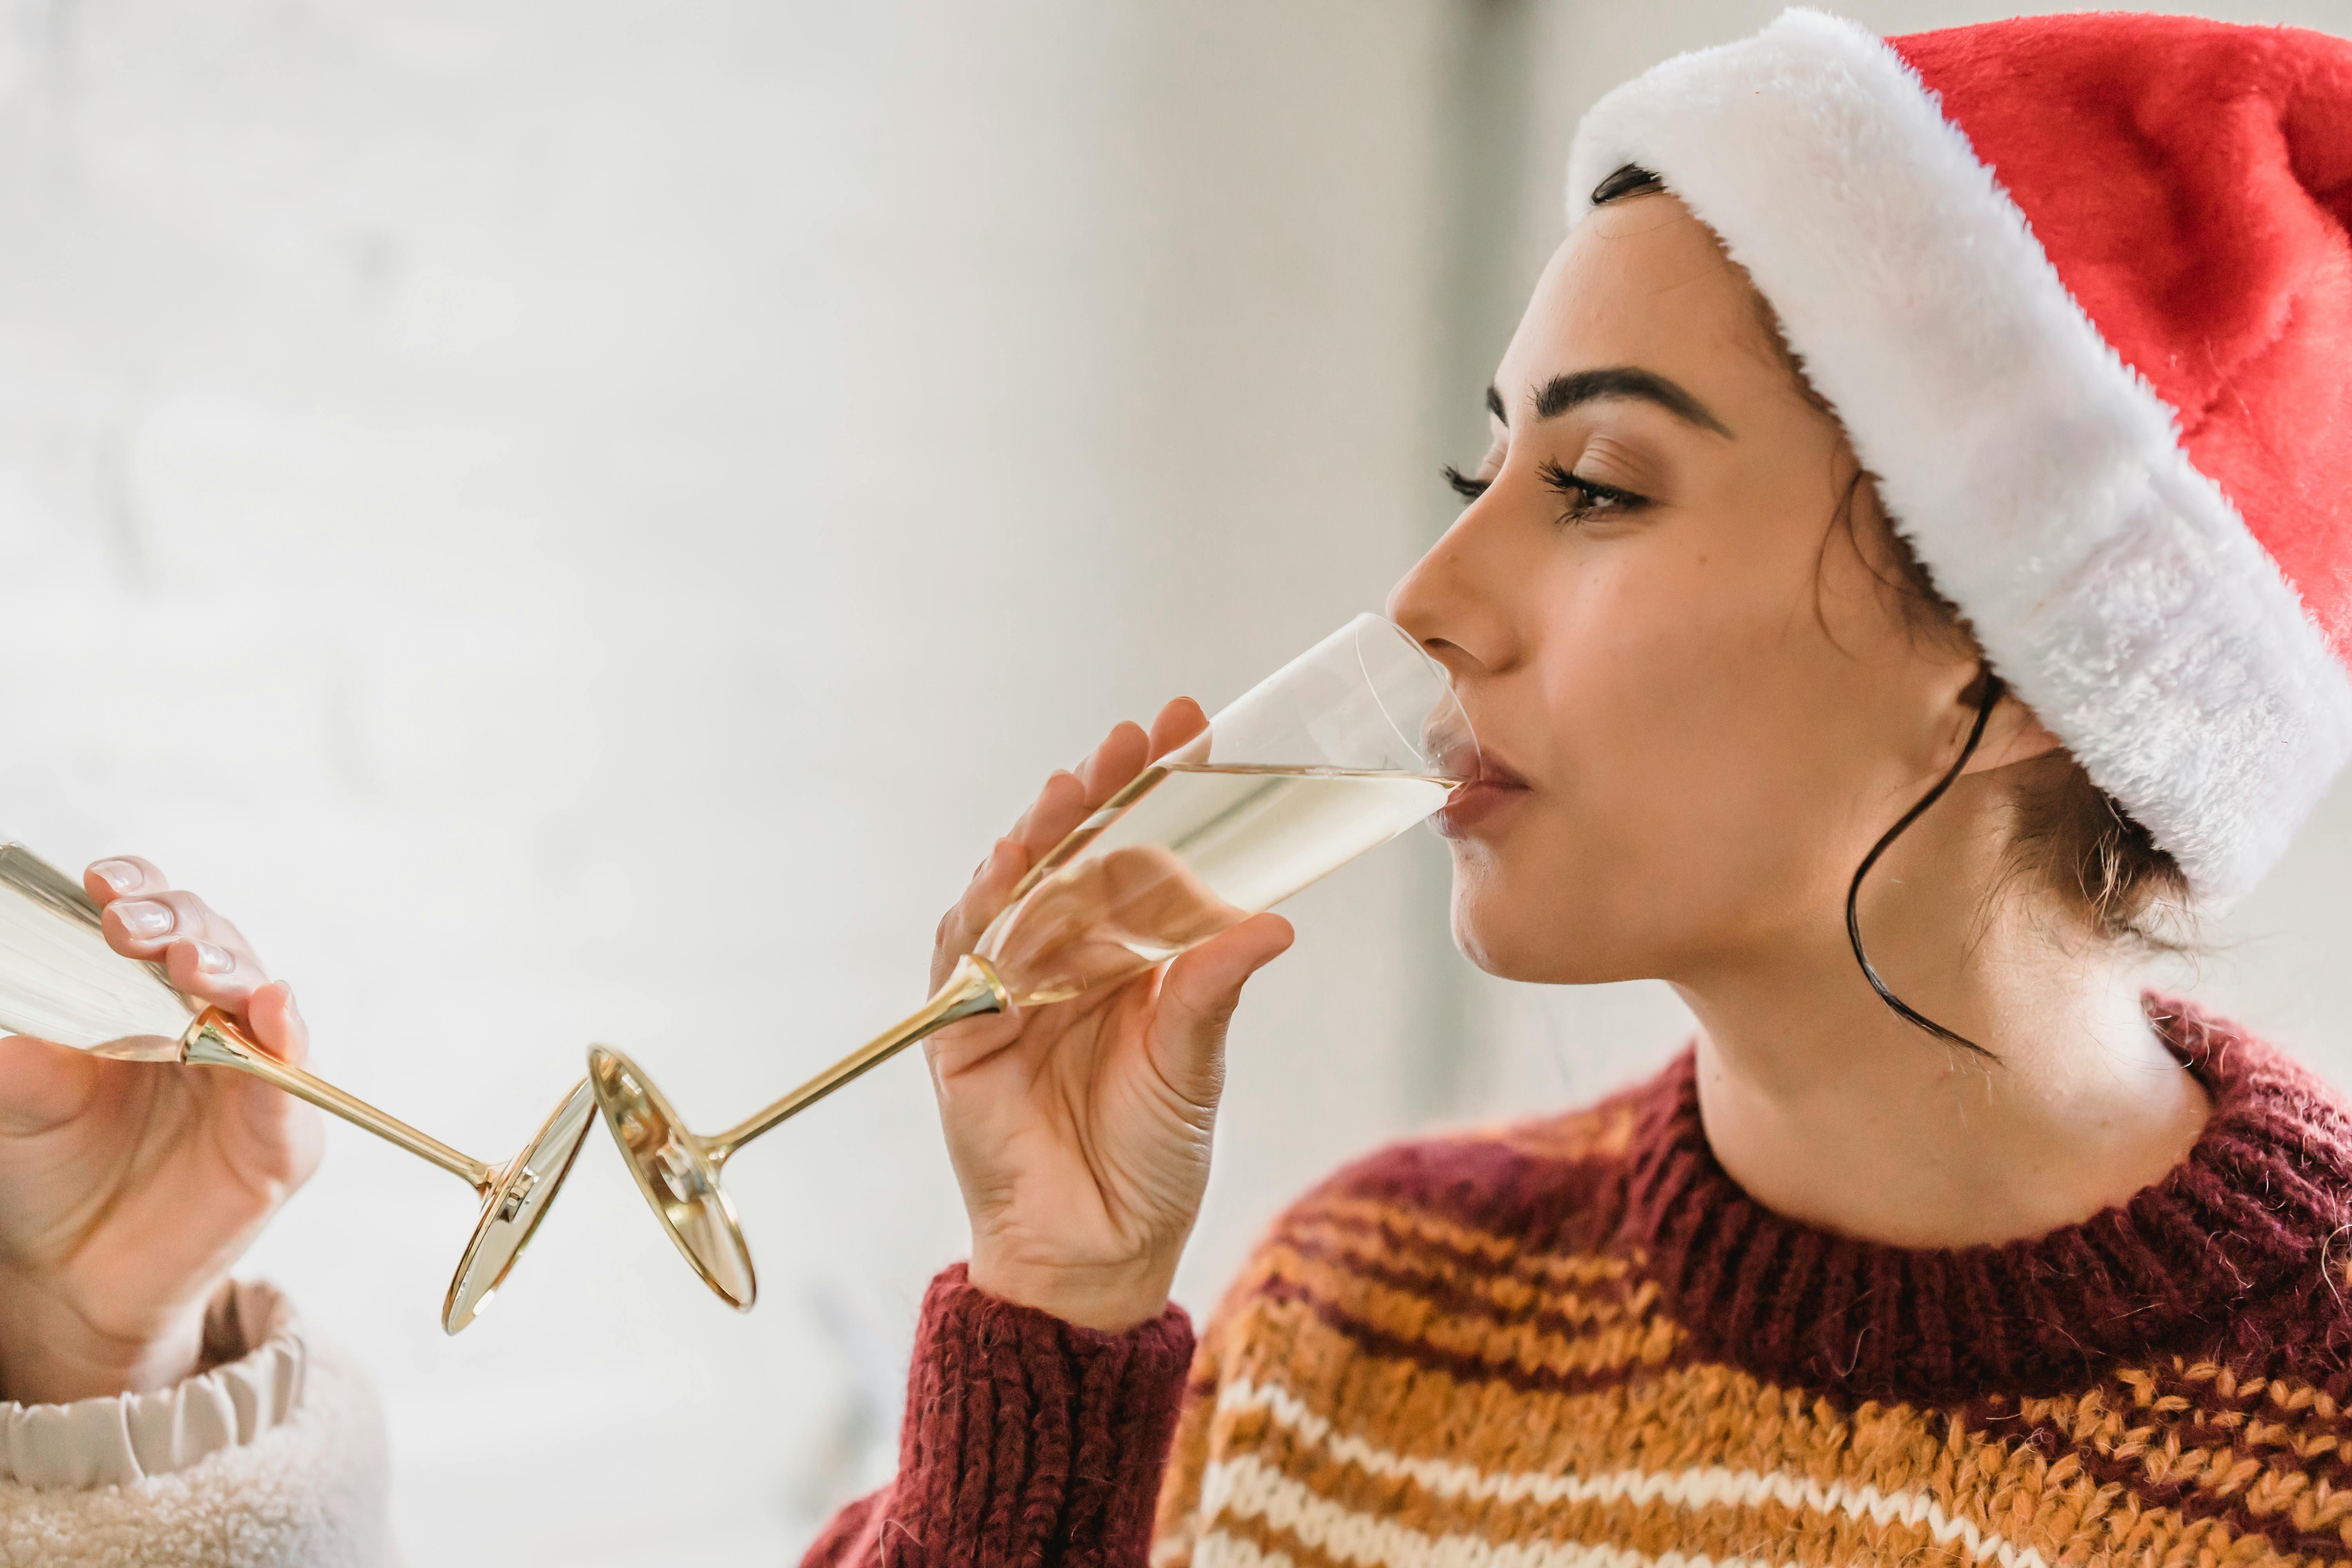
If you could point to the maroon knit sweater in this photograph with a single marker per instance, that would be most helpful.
(1579, 1334)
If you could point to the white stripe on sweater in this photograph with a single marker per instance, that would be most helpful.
(1243, 1484)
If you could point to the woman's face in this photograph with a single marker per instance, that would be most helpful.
(1699, 698)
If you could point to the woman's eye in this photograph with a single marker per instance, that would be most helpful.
(1465, 487)
(1588, 498)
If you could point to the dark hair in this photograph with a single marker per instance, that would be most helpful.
(1628, 181)
(2068, 835)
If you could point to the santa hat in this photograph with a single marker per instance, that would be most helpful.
(2081, 291)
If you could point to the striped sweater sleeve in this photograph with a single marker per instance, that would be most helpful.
(1026, 1440)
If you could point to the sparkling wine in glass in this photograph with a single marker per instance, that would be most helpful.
(59, 982)
(1335, 754)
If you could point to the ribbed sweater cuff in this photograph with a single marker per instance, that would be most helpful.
(1031, 1440)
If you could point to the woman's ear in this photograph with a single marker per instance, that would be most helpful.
(2014, 734)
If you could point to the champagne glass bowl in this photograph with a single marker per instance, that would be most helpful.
(59, 982)
(1335, 754)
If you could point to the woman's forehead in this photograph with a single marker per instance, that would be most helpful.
(1644, 284)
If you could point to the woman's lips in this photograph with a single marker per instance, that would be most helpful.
(1475, 800)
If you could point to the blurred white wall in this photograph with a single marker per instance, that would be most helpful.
(580, 521)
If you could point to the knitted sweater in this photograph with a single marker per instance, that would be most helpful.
(1575, 1342)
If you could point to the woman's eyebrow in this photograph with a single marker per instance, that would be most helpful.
(1562, 392)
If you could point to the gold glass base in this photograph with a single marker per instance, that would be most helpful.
(678, 1174)
(678, 1171)
(515, 1196)
(518, 1200)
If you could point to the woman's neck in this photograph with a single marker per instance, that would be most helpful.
(1827, 1108)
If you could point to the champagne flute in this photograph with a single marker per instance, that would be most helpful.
(1337, 753)
(59, 982)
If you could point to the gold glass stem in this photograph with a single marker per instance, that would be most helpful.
(214, 1041)
(972, 989)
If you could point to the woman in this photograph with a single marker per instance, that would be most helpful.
(1826, 497)
(1819, 480)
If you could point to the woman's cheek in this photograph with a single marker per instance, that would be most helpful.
(1639, 835)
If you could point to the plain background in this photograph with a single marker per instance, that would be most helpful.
(579, 521)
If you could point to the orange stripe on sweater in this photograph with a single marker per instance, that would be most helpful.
(2159, 1434)
(1407, 1223)
(1447, 1284)
(1610, 1347)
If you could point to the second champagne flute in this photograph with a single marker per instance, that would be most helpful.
(61, 983)
(1337, 753)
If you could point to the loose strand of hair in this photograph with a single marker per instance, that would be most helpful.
(1903, 1010)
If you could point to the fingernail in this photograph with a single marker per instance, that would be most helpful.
(143, 919)
(214, 960)
(119, 875)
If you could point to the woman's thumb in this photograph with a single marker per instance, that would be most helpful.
(1201, 989)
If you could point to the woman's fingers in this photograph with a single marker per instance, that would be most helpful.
(959, 1047)
(144, 917)
(107, 880)
(1067, 798)
(144, 924)
(211, 971)
(273, 1020)
(288, 1136)
(1178, 722)
(991, 886)
(1115, 763)
(1061, 804)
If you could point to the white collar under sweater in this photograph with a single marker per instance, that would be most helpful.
(274, 1459)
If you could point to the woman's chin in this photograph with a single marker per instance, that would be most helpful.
(1535, 941)
(1503, 946)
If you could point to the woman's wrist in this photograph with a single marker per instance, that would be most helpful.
(50, 1354)
(1108, 1298)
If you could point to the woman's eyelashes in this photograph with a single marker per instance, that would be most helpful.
(1588, 498)
(1585, 498)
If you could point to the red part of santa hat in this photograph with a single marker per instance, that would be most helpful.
(2081, 291)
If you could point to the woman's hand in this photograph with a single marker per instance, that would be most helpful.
(128, 1189)
(1080, 1131)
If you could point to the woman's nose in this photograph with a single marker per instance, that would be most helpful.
(1447, 605)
